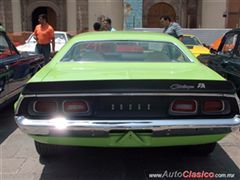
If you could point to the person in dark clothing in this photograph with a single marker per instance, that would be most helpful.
(97, 26)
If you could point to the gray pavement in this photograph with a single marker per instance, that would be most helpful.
(20, 161)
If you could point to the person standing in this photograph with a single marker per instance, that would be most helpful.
(126, 13)
(101, 19)
(97, 26)
(108, 25)
(171, 28)
(44, 35)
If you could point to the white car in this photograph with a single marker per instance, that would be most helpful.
(61, 38)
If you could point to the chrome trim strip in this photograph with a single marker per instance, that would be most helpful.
(238, 100)
(21, 97)
(130, 94)
(44, 127)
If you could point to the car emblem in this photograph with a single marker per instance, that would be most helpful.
(181, 86)
(201, 86)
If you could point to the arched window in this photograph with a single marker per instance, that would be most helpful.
(158, 10)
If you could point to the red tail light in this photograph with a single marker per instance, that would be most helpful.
(184, 106)
(213, 106)
(45, 106)
(75, 106)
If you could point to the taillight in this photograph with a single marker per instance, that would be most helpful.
(183, 107)
(213, 106)
(78, 106)
(45, 107)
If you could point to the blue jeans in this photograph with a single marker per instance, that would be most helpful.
(44, 49)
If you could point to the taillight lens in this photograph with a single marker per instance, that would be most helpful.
(45, 106)
(213, 106)
(76, 106)
(184, 107)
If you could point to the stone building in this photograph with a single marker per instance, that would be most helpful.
(78, 15)
(185, 12)
(22, 15)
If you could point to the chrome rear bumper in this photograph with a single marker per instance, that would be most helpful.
(159, 127)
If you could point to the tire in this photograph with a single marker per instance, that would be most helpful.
(203, 149)
(47, 150)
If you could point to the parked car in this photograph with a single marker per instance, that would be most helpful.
(15, 69)
(226, 59)
(195, 45)
(61, 38)
(126, 89)
(215, 44)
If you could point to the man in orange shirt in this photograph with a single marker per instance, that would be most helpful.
(44, 34)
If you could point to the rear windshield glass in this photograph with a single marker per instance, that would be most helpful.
(191, 41)
(125, 51)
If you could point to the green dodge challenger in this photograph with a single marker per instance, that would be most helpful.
(126, 89)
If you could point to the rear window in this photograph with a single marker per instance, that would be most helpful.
(229, 43)
(60, 38)
(125, 51)
(188, 40)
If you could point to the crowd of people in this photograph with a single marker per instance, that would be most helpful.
(44, 32)
(172, 28)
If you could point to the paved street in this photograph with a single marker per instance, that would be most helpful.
(19, 160)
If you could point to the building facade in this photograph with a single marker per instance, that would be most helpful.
(22, 15)
(79, 15)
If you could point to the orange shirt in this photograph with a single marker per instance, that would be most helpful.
(44, 34)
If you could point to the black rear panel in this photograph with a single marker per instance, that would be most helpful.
(135, 99)
(133, 107)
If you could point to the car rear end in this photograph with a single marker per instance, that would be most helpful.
(109, 113)
(150, 95)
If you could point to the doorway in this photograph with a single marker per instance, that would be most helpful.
(52, 17)
(158, 10)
